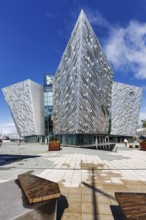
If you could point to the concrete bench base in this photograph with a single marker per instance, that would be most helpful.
(14, 204)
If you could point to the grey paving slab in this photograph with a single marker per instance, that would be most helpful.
(14, 205)
(79, 171)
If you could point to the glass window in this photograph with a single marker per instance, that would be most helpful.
(48, 110)
(48, 88)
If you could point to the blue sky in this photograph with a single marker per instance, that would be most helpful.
(34, 34)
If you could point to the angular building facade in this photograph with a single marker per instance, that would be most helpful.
(125, 108)
(82, 86)
(26, 103)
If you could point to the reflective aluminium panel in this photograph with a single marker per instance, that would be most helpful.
(126, 101)
(25, 100)
(82, 84)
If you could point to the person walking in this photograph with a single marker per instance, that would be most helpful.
(18, 143)
(1, 142)
(125, 142)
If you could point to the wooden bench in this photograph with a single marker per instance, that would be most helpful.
(38, 189)
(15, 205)
(133, 205)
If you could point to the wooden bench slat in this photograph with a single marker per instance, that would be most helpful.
(38, 189)
(133, 204)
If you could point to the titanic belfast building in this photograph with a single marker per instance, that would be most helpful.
(84, 102)
(82, 87)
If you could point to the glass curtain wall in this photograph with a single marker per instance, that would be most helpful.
(48, 104)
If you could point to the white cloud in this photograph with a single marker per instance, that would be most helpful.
(96, 18)
(51, 15)
(126, 48)
(142, 115)
(7, 128)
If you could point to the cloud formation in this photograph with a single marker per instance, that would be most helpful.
(142, 115)
(7, 128)
(96, 18)
(125, 46)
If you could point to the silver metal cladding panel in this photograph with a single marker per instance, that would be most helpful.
(37, 94)
(126, 101)
(82, 84)
(21, 102)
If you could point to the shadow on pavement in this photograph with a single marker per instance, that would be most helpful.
(10, 158)
(117, 212)
(45, 207)
(62, 204)
(94, 191)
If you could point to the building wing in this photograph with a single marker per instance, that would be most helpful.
(25, 101)
(126, 101)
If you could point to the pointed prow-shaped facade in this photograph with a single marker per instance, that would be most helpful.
(82, 87)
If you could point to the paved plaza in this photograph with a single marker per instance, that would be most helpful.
(88, 178)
